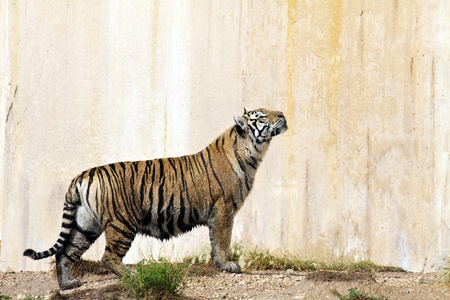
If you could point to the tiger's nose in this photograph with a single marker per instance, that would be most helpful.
(280, 114)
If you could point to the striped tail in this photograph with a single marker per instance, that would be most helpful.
(69, 211)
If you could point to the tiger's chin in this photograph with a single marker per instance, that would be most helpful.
(279, 130)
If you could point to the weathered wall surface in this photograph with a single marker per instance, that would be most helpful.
(362, 173)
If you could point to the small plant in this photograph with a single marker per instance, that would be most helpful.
(354, 294)
(5, 297)
(444, 271)
(263, 259)
(160, 279)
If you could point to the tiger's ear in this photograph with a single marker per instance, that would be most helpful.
(241, 125)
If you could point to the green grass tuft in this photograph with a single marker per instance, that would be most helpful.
(444, 271)
(159, 279)
(354, 294)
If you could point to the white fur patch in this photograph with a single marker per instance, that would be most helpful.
(85, 219)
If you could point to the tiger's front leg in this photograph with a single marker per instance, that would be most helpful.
(220, 229)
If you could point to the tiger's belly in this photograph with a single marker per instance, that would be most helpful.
(166, 230)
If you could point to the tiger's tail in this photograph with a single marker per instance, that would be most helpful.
(70, 207)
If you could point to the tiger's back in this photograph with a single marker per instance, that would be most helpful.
(164, 197)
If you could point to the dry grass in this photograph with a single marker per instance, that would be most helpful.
(264, 259)
(444, 271)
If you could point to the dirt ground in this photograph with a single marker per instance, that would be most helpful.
(211, 283)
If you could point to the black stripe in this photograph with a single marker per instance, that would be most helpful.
(133, 212)
(217, 143)
(194, 158)
(191, 170)
(214, 173)
(90, 236)
(180, 222)
(161, 169)
(163, 234)
(64, 235)
(232, 130)
(66, 225)
(67, 216)
(196, 215)
(148, 164)
(160, 216)
(252, 162)
(61, 241)
(171, 161)
(91, 179)
(126, 234)
(169, 216)
(148, 216)
(124, 243)
(207, 176)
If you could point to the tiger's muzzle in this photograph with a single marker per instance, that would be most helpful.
(280, 125)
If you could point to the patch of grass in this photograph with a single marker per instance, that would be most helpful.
(159, 279)
(264, 259)
(363, 265)
(354, 294)
(444, 271)
(258, 259)
(5, 297)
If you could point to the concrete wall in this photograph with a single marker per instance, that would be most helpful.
(362, 173)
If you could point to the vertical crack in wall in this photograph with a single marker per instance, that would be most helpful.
(290, 114)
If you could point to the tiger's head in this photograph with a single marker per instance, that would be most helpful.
(260, 125)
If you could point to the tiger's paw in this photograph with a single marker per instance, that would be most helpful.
(70, 284)
(231, 266)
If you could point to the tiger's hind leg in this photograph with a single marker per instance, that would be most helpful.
(118, 241)
(84, 233)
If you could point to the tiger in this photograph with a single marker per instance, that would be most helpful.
(164, 197)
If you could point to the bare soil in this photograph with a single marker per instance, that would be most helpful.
(210, 283)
